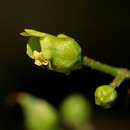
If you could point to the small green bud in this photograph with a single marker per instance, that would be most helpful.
(39, 115)
(105, 95)
(75, 111)
(60, 53)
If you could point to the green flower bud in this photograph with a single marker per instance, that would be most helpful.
(105, 95)
(75, 111)
(60, 53)
(39, 115)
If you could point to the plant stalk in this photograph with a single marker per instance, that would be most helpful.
(108, 69)
(119, 78)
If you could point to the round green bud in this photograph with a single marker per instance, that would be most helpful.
(75, 110)
(105, 96)
(60, 53)
(38, 114)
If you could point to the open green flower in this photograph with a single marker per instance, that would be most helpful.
(38, 114)
(105, 95)
(60, 53)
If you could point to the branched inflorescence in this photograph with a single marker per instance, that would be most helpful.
(62, 53)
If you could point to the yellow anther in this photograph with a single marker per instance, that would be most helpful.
(39, 59)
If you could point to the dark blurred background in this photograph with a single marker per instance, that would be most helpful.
(102, 29)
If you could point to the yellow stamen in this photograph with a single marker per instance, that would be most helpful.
(39, 59)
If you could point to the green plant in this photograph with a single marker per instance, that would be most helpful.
(105, 95)
(75, 111)
(38, 113)
(59, 53)
(62, 53)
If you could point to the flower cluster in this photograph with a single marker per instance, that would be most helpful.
(62, 53)
(75, 112)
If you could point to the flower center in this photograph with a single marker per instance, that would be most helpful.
(39, 59)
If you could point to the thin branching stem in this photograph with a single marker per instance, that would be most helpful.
(120, 74)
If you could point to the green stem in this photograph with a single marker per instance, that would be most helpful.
(119, 78)
(108, 69)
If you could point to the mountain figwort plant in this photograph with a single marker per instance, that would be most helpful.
(62, 53)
